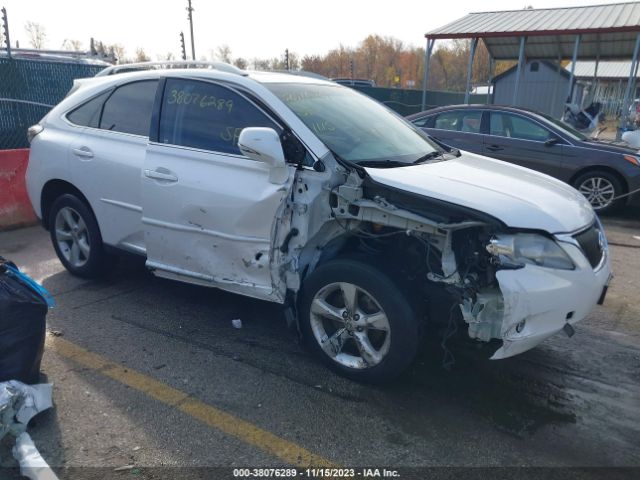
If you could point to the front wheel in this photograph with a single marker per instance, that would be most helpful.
(601, 189)
(358, 322)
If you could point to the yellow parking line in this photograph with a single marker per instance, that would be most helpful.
(287, 451)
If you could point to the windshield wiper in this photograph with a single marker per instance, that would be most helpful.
(382, 163)
(436, 154)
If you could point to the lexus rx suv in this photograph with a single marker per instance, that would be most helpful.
(306, 193)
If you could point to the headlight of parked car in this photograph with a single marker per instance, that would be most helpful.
(529, 248)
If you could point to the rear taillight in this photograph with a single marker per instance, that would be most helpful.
(33, 131)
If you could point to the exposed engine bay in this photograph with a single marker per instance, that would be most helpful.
(434, 251)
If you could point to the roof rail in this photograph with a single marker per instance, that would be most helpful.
(302, 73)
(133, 67)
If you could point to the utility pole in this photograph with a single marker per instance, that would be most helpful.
(286, 59)
(190, 17)
(183, 50)
(351, 67)
(5, 26)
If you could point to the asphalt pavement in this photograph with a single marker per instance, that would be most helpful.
(151, 374)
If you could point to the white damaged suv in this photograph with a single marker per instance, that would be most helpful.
(299, 191)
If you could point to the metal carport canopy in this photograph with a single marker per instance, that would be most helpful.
(607, 32)
(595, 32)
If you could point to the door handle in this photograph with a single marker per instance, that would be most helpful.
(494, 148)
(169, 177)
(83, 152)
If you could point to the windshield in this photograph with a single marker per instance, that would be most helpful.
(353, 125)
(566, 129)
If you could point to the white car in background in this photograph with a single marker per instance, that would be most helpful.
(302, 192)
(632, 138)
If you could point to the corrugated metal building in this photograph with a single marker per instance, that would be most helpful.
(542, 87)
(585, 69)
(608, 31)
(594, 32)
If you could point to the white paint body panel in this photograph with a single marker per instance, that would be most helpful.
(543, 297)
(214, 222)
(112, 179)
(519, 197)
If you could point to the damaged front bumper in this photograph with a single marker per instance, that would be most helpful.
(538, 302)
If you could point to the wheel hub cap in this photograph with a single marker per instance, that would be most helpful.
(350, 326)
(72, 237)
(599, 191)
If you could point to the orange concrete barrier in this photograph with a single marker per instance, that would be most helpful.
(15, 208)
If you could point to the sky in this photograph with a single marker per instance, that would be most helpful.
(251, 28)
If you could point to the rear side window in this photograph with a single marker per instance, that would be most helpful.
(422, 122)
(88, 114)
(460, 120)
(128, 109)
(206, 116)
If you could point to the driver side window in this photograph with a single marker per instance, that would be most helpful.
(207, 116)
(515, 126)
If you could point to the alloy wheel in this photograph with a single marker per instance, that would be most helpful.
(350, 326)
(599, 191)
(72, 237)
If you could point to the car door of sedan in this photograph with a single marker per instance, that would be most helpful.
(458, 128)
(517, 139)
(209, 212)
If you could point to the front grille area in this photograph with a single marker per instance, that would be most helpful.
(591, 244)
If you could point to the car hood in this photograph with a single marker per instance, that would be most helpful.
(607, 147)
(517, 196)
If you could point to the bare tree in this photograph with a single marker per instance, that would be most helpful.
(118, 53)
(241, 63)
(70, 44)
(141, 56)
(223, 53)
(37, 34)
(167, 57)
(260, 64)
(312, 63)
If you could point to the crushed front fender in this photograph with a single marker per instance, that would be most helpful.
(538, 301)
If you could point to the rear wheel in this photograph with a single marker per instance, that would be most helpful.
(76, 237)
(600, 188)
(358, 322)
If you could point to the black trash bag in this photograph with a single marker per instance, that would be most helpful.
(23, 310)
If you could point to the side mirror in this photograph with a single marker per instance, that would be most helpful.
(263, 145)
(551, 141)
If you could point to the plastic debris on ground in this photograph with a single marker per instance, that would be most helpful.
(237, 323)
(19, 403)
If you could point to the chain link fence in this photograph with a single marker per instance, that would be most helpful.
(406, 102)
(29, 88)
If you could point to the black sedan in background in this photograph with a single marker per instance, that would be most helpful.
(600, 171)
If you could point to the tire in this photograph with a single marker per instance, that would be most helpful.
(76, 238)
(374, 342)
(599, 187)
